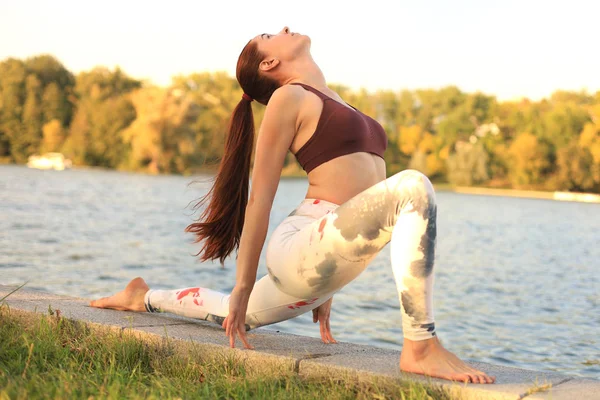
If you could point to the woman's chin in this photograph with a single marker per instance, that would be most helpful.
(305, 42)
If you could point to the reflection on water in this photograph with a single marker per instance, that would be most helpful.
(517, 280)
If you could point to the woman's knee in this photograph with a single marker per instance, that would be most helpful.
(414, 188)
(369, 213)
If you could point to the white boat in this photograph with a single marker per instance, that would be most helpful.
(54, 161)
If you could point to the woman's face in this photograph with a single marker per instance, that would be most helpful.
(285, 45)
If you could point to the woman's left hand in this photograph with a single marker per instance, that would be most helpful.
(235, 323)
(321, 314)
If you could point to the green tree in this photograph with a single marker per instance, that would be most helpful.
(161, 137)
(575, 168)
(216, 95)
(563, 123)
(12, 98)
(31, 137)
(55, 105)
(104, 110)
(468, 165)
(32, 93)
(530, 159)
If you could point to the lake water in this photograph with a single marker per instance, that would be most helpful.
(517, 280)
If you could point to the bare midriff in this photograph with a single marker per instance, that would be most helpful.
(340, 179)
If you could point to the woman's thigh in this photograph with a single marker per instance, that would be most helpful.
(307, 257)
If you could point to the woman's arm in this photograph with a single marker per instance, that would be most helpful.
(274, 140)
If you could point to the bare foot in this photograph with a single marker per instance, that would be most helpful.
(429, 357)
(130, 299)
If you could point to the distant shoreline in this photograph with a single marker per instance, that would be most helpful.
(579, 197)
(527, 194)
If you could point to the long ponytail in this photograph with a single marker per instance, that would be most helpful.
(220, 224)
(222, 221)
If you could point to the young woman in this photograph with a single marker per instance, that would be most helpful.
(351, 211)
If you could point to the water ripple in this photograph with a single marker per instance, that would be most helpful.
(516, 279)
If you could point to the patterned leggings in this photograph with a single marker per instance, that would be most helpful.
(321, 246)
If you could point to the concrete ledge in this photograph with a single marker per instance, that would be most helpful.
(306, 356)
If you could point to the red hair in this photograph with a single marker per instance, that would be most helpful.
(220, 225)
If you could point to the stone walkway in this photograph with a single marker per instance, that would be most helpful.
(307, 356)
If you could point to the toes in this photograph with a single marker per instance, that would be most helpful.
(100, 303)
(488, 378)
(483, 377)
(97, 303)
(476, 378)
(461, 378)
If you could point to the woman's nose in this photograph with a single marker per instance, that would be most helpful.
(285, 30)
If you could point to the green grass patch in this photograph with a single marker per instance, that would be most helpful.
(53, 357)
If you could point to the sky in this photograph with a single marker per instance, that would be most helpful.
(507, 48)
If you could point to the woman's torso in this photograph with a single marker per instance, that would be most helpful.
(341, 178)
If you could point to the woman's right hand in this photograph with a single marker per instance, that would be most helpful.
(235, 322)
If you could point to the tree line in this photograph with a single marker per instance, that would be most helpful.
(106, 118)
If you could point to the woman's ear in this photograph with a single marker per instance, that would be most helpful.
(268, 64)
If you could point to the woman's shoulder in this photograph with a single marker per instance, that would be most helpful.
(284, 106)
(288, 96)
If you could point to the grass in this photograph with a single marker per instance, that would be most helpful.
(47, 356)
(538, 387)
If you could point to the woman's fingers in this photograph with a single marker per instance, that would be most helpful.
(242, 333)
(323, 333)
(233, 327)
(328, 328)
(228, 324)
(325, 328)
(231, 332)
(232, 339)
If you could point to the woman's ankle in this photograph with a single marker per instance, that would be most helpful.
(420, 348)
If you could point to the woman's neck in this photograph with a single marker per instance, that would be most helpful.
(306, 71)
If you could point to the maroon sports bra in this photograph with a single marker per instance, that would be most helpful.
(340, 131)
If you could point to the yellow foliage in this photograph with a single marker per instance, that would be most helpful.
(428, 143)
(434, 165)
(500, 150)
(54, 136)
(595, 150)
(529, 159)
(444, 153)
(589, 135)
(595, 113)
(186, 146)
(410, 136)
(524, 146)
(590, 139)
(160, 135)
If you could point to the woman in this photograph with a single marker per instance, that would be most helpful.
(351, 211)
